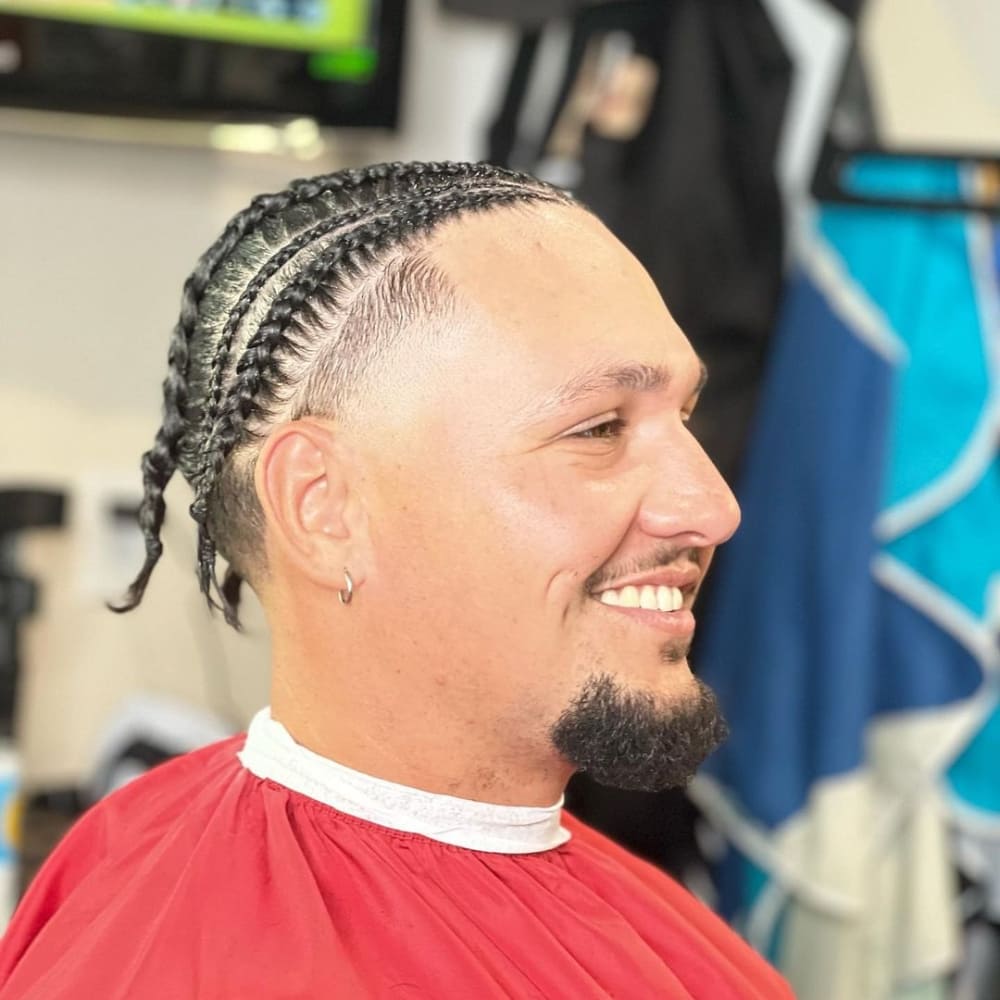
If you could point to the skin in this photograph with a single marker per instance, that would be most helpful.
(472, 507)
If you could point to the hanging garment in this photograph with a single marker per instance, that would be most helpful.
(666, 124)
(279, 873)
(850, 639)
(694, 195)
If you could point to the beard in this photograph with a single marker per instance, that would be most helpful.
(632, 740)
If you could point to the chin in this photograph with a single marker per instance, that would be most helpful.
(628, 736)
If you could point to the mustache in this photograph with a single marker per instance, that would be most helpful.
(660, 558)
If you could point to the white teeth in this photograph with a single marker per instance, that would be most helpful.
(628, 597)
(649, 598)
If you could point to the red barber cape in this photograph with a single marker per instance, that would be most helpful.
(203, 881)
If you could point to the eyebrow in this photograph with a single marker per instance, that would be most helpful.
(632, 377)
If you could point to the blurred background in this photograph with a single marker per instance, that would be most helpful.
(815, 187)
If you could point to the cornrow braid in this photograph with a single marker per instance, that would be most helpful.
(260, 280)
(199, 508)
(352, 219)
(160, 462)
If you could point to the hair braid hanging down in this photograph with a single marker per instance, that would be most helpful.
(376, 208)
(160, 462)
(230, 587)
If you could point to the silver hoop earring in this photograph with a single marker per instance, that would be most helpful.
(348, 592)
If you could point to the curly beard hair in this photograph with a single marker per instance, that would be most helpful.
(631, 740)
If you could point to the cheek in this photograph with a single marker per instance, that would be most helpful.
(438, 542)
(500, 535)
(564, 523)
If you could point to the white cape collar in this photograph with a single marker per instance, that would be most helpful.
(271, 753)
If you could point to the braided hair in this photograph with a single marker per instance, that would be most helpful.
(281, 318)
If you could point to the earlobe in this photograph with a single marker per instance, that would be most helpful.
(304, 484)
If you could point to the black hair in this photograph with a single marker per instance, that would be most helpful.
(280, 318)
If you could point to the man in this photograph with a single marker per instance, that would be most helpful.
(435, 415)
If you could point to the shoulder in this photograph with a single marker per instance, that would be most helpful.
(177, 780)
(149, 803)
(641, 886)
(617, 855)
(112, 850)
(163, 800)
(198, 879)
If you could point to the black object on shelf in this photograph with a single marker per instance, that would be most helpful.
(20, 510)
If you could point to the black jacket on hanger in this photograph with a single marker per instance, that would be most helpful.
(693, 193)
(695, 197)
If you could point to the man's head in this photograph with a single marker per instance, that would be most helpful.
(454, 382)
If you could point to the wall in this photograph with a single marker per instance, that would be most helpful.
(932, 83)
(97, 240)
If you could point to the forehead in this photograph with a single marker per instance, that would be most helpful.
(550, 288)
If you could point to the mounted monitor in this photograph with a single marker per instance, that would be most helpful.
(337, 61)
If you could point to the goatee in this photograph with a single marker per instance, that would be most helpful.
(632, 740)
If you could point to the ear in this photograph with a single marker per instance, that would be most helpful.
(306, 481)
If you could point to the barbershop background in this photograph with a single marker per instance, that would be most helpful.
(815, 187)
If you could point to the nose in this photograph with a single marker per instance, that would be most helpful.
(687, 500)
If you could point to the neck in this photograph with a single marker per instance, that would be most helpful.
(348, 718)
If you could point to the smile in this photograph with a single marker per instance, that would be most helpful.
(647, 597)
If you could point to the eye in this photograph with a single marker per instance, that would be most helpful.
(605, 430)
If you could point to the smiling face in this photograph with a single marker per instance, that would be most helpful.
(540, 516)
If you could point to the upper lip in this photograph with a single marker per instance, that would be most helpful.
(684, 579)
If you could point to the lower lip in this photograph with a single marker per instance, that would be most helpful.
(677, 623)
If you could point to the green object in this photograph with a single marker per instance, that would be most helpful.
(344, 24)
(355, 65)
